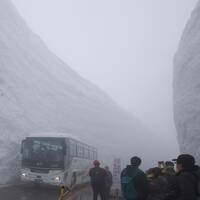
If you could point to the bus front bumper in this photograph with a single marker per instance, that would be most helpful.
(29, 177)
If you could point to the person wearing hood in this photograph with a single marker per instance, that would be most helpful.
(134, 181)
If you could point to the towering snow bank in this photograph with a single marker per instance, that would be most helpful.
(187, 87)
(39, 93)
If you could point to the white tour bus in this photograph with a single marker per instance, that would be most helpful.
(56, 161)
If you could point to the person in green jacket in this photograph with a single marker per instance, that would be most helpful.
(134, 181)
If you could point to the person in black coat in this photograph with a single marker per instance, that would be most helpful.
(109, 182)
(186, 179)
(98, 181)
(157, 184)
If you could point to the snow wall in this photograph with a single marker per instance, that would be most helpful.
(187, 87)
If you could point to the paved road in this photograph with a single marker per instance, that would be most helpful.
(29, 193)
(84, 194)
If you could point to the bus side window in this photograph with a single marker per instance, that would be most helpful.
(73, 151)
(91, 155)
(86, 153)
(80, 151)
(95, 154)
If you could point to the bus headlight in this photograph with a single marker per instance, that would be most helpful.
(23, 175)
(57, 179)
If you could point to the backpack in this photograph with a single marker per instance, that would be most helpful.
(128, 186)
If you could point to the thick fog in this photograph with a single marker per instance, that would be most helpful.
(126, 47)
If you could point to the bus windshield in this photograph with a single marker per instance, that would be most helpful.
(43, 153)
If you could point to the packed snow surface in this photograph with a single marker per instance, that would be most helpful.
(39, 93)
(187, 87)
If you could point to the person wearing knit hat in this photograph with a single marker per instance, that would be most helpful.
(96, 163)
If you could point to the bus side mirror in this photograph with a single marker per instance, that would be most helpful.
(22, 146)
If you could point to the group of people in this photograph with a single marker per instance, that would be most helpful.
(165, 182)
(101, 181)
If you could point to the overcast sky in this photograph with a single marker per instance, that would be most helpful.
(126, 47)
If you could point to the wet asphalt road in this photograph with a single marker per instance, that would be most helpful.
(85, 194)
(26, 192)
(29, 193)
